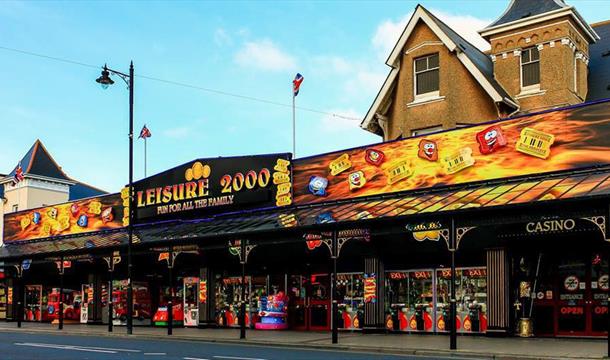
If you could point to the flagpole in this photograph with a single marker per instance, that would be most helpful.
(294, 124)
(145, 156)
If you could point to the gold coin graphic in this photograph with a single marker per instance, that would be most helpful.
(197, 170)
(188, 175)
(206, 171)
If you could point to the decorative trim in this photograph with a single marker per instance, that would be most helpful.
(424, 101)
(460, 233)
(517, 52)
(530, 93)
(600, 222)
(425, 43)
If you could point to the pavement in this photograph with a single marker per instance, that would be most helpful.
(431, 346)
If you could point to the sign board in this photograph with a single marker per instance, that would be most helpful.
(211, 186)
(76, 217)
(553, 141)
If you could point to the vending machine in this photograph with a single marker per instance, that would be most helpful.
(191, 301)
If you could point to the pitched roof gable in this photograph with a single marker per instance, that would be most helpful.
(475, 61)
(38, 161)
(525, 12)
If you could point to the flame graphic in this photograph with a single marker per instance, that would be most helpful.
(582, 139)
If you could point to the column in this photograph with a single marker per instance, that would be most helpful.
(498, 292)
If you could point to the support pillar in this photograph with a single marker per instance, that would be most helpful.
(498, 292)
(18, 293)
(206, 308)
(242, 312)
(452, 303)
(170, 303)
(374, 314)
(61, 294)
(333, 291)
(110, 290)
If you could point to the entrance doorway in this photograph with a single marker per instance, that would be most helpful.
(309, 308)
(583, 296)
(571, 297)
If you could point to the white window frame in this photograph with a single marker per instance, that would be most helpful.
(431, 94)
(534, 87)
(15, 207)
(426, 131)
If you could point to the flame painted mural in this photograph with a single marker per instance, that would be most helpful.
(93, 214)
(559, 140)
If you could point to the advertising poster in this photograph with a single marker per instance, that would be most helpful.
(77, 217)
(370, 288)
(208, 186)
(548, 142)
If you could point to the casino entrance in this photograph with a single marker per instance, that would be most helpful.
(562, 287)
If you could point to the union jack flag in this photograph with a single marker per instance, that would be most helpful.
(296, 83)
(144, 133)
(18, 174)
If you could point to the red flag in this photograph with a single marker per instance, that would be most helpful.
(296, 84)
(144, 133)
(18, 174)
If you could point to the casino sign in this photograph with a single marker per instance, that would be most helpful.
(211, 186)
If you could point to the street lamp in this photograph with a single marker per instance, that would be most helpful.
(104, 80)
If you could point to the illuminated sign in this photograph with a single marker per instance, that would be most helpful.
(77, 217)
(370, 288)
(533, 144)
(216, 185)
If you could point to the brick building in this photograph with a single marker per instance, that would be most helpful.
(543, 55)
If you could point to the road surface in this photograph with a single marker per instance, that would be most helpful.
(34, 346)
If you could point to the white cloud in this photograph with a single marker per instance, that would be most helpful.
(388, 31)
(179, 132)
(221, 37)
(265, 55)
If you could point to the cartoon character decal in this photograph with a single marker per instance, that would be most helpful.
(490, 139)
(428, 150)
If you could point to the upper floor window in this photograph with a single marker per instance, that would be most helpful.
(426, 75)
(15, 208)
(425, 131)
(530, 67)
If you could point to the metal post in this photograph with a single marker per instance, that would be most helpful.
(608, 303)
(131, 209)
(170, 303)
(61, 294)
(242, 312)
(294, 127)
(110, 290)
(452, 304)
(333, 292)
(19, 290)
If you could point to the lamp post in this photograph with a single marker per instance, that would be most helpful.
(104, 80)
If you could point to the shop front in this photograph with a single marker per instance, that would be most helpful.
(472, 239)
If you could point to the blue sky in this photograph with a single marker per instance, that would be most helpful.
(248, 48)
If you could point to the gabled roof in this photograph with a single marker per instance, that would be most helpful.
(525, 12)
(475, 61)
(521, 9)
(38, 161)
(599, 63)
(81, 190)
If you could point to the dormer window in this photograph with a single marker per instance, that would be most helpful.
(426, 70)
(530, 68)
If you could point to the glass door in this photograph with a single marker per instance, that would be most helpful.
(572, 303)
(310, 302)
(597, 301)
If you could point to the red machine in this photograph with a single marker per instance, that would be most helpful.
(72, 305)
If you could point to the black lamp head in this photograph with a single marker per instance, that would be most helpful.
(104, 80)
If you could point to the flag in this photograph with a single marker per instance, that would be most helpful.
(296, 83)
(18, 174)
(144, 133)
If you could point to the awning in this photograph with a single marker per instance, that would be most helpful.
(585, 184)
(533, 189)
(58, 246)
